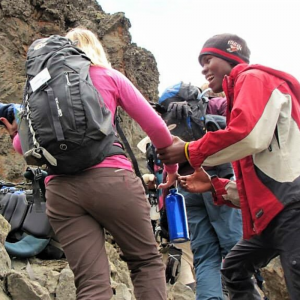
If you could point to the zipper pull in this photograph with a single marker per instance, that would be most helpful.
(68, 81)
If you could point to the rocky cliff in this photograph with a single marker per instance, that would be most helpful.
(21, 23)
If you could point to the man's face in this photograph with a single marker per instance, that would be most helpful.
(214, 70)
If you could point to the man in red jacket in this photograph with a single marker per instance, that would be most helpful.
(262, 141)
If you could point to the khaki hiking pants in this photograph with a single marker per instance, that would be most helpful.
(80, 206)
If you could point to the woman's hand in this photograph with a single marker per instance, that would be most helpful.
(171, 179)
(12, 128)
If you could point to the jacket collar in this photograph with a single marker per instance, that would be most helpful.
(229, 81)
(291, 80)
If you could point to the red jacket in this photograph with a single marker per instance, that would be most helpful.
(262, 140)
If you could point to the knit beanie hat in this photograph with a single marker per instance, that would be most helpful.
(229, 47)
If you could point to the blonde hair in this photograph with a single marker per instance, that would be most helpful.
(88, 42)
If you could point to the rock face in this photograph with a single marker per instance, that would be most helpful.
(36, 279)
(22, 23)
(53, 280)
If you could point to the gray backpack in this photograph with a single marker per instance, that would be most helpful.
(63, 121)
(183, 107)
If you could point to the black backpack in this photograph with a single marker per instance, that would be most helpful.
(23, 206)
(183, 108)
(63, 121)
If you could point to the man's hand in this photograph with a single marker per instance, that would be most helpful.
(12, 128)
(174, 153)
(198, 182)
(232, 194)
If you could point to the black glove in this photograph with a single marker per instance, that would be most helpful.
(179, 110)
(159, 108)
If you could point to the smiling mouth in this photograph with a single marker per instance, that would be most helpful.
(210, 78)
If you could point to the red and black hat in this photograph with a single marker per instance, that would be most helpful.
(227, 46)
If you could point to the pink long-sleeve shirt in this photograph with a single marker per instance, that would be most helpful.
(117, 90)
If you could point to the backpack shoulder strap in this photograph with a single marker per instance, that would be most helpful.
(128, 149)
(204, 99)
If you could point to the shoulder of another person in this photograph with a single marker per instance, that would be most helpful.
(217, 100)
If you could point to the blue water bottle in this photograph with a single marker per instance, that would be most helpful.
(176, 216)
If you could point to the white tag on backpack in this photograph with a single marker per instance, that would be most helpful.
(38, 80)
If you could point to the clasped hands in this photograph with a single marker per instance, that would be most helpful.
(198, 182)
